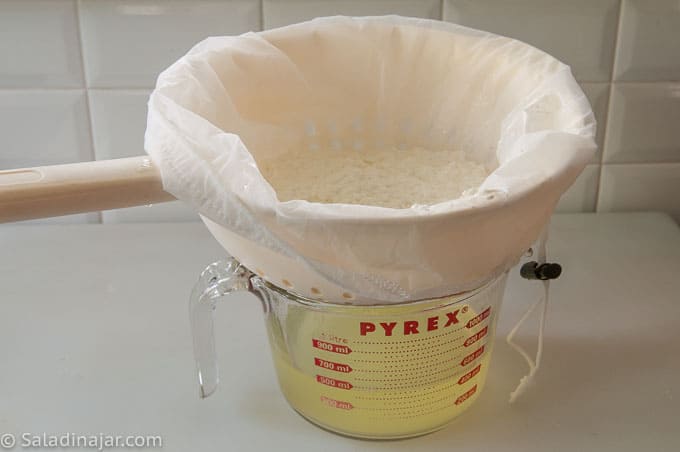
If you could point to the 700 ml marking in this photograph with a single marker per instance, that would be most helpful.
(318, 362)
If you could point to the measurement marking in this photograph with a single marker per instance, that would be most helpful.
(421, 382)
(478, 318)
(337, 367)
(410, 378)
(425, 413)
(434, 402)
(417, 395)
(406, 402)
(466, 395)
(410, 353)
(473, 356)
(392, 368)
(416, 414)
(336, 403)
(328, 381)
(416, 357)
(404, 349)
(475, 337)
(330, 347)
(400, 387)
(428, 347)
(468, 376)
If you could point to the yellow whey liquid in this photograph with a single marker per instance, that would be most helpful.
(387, 372)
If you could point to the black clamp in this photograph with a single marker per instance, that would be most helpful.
(543, 272)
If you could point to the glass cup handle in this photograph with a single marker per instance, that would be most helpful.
(217, 280)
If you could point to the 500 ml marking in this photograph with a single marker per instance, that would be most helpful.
(328, 381)
(336, 403)
(332, 366)
(466, 395)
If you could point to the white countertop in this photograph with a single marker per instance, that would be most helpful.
(94, 338)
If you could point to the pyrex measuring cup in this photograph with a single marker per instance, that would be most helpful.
(387, 371)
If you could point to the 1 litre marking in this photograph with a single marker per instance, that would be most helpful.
(478, 319)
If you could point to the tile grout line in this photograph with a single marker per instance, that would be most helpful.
(441, 9)
(605, 139)
(261, 15)
(86, 90)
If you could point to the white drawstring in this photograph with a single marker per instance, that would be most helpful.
(534, 364)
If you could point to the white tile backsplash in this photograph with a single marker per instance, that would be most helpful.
(582, 195)
(39, 46)
(598, 95)
(126, 43)
(118, 125)
(581, 33)
(277, 13)
(118, 122)
(641, 187)
(43, 128)
(50, 114)
(649, 41)
(644, 123)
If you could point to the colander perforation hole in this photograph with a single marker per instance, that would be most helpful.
(287, 283)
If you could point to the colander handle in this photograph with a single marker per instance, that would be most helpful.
(217, 280)
(50, 191)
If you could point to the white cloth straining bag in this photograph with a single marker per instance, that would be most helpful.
(375, 82)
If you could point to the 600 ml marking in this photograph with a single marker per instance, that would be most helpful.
(328, 381)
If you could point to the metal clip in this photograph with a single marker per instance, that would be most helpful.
(543, 272)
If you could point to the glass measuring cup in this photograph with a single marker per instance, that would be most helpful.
(384, 371)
